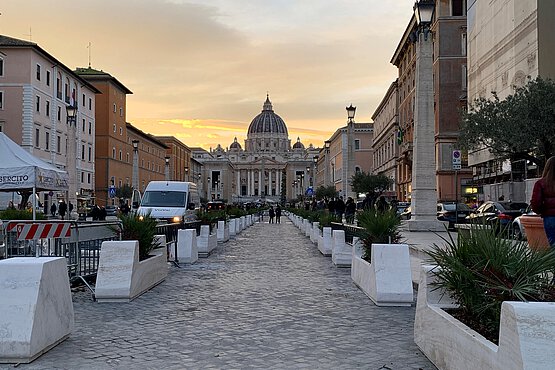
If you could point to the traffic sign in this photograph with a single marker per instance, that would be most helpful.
(112, 191)
(456, 159)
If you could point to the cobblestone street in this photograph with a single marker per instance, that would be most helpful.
(267, 299)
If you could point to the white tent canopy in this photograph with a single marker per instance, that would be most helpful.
(20, 170)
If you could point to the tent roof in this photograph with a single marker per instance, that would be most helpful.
(17, 161)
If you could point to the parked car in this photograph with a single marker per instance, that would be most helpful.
(497, 214)
(517, 230)
(445, 212)
(215, 206)
(112, 210)
(401, 207)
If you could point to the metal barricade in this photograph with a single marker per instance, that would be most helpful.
(79, 243)
(350, 231)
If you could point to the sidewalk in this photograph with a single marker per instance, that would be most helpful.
(266, 300)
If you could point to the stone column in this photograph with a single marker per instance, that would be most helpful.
(270, 182)
(238, 188)
(278, 185)
(259, 183)
(424, 192)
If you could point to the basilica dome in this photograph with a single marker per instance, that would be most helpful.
(267, 122)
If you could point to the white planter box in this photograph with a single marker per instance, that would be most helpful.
(325, 243)
(36, 307)
(526, 335)
(387, 280)
(341, 254)
(206, 242)
(222, 232)
(315, 232)
(243, 223)
(122, 277)
(187, 250)
(232, 227)
(307, 228)
(238, 227)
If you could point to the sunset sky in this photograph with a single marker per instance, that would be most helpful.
(200, 70)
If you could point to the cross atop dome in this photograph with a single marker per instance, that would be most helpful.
(267, 104)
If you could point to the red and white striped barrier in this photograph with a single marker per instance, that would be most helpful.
(40, 231)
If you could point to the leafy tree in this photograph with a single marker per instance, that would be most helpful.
(371, 185)
(325, 192)
(520, 127)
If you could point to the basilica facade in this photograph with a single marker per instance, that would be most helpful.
(268, 168)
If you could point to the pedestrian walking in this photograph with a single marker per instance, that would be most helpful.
(543, 199)
(278, 214)
(339, 208)
(272, 214)
(53, 209)
(62, 209)
(350, 209)
(381, 205)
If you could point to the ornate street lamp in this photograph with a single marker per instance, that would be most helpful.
(350, 147)
(351, 113)
(186, 169)
(135, 177)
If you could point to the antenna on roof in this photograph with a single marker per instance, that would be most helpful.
(30, 34)
(89, 47)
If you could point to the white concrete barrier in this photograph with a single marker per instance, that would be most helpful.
(325, 242)
(232, 227)
(35, 305)
(187, 249)
(207, 241)
(222, 231)
(341, 254)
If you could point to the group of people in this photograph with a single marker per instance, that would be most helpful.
(275, 214)
(62, 209)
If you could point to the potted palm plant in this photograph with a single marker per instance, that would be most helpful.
(500, 313)
(380, 265)
(133, 265)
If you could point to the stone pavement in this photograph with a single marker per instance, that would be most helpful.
(265, 300)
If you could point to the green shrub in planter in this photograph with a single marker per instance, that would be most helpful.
(18, 214)
(326, 219)
(141, 228)
(480, 271)
(379, 228)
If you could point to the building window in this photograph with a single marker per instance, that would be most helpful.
(127, 157)
(38, 104)
(59, 144)
(115, 108)
(1, 100)
(357, 169)
(47, 138)
(114, 153)
(463, 44)
(90, 103)
(90, 153)
(120, 156)
(66, 91)
(88, 178)
(1, 67)
(47, 108)
(121, 131)
(90, 128)
(59, 87)
(458, 8)
(47, 78)
(59, 113)
(121, 112)
(38, 72)
(357, 144)
(2, 129)
(83, 151)
(115, 127)
(37, 137)
(84, 125)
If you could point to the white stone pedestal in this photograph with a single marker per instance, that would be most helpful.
(325, 243)
(232, 227)
(187, 250)
(315, 232)
(222, 232)
(36, 311)
(238, 227)
(341, 254)
(243, 223)
(206, 241)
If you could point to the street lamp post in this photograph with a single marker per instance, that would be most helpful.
(350, 149)
(71, 111)
(327, 144)
(424, 192)
(135, 176)
(186, 171)
(167, 169)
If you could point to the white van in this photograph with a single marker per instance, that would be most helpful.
(170, 201)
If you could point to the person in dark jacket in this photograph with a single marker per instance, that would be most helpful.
(543, 199)
(62, 209)
(278, 214)
(271, 213)
(350, 209)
